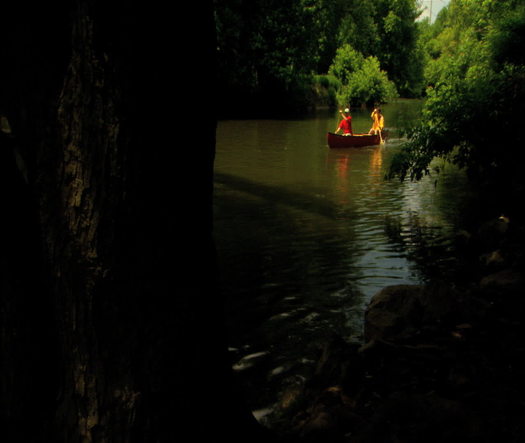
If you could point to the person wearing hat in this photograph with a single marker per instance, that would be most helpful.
(346, 123)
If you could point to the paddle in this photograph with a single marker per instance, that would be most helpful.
(338, 122)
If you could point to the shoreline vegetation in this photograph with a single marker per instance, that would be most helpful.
(274, 56)
(441, 362)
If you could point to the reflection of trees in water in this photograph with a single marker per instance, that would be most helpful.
(435, 210)
(430, 247)
(403, 115)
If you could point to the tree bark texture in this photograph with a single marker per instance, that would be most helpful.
(111, 324)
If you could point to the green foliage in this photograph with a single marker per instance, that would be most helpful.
(507, 41)
(362, 81)
(328, 81)
(358, 27)
(265, 51)
(325, 21)
(387, 30)
(398, 45)
(368, 85)
(268, 51)
(326, 88)
(477, 97)
(347, 60)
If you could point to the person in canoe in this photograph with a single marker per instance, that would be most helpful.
(346, 123)
(378, 122)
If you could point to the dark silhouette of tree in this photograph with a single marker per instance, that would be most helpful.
(111, 325)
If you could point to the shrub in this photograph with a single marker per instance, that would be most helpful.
(367, 85)
(362, 80)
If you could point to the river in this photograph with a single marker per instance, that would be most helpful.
(306, 235)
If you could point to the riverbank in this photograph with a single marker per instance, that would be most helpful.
(441, 362)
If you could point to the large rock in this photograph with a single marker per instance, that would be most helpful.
(508, 280)
(393, 312)
(492, 232)
(402, 311)
(429, 418)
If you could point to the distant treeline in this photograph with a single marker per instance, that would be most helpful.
(278, 56)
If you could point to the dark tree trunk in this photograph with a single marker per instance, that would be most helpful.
(111, 323)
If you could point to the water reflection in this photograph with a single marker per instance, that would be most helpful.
(376, 162)
(306, 235)
(342, 168)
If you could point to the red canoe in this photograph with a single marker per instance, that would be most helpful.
(352, 141)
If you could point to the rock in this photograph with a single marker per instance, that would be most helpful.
(338, 362)
(321, 422)
(393, 312)
(436, 359)
(441, 304)
(400, 312)
(494, 259)
(329, 418)
(506, 280)
(422, 418)
(493, 231)
(291, 397)
(463, 236)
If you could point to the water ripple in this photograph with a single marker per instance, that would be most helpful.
(306, 235)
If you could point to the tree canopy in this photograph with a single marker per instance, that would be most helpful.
(476, 77)
(362, 79)
(270, 52)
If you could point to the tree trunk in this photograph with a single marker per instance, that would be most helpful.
(111, 322)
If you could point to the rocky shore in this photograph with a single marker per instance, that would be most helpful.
(440, 363)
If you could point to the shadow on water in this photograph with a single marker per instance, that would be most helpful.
(306, 235)
(279, 195)
(284, 280)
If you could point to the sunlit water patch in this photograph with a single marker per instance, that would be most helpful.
(306, 235)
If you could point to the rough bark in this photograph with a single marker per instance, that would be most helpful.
(128, 323)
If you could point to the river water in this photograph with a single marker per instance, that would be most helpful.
(306, 235)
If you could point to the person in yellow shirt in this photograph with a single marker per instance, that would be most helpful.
(378, 122)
